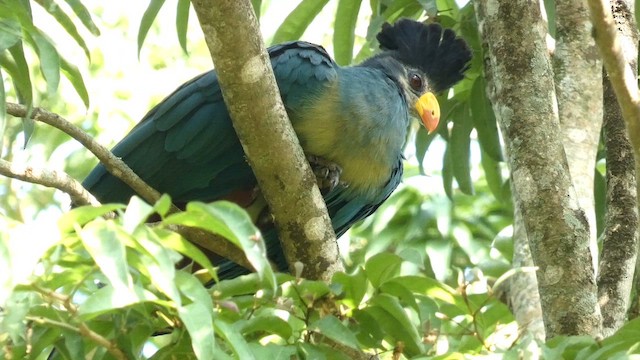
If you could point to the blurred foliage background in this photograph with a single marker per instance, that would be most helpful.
(420, 272)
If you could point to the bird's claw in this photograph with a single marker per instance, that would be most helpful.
(327, 173)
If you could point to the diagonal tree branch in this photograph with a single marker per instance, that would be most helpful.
(50, 178)
(118, 168)
(252, 97)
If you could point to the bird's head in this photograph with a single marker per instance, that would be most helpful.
(422, 60)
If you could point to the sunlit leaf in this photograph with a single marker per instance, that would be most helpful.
(233, 223)
(353, 285)
(137, 212)
(382, 267)
(3, 108)
(298, 20)
(74, 76)
(197, 319)
(147, 20)
(84, 214)
(101, 241)
(10, 33)
(84, 15)
(184, 247)
(108, 299)
(65, 21)
(344, 30)
(49, 60)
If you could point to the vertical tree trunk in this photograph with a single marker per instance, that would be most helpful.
(523, 98)
(620, 241)
(578, 79)
(270, 144)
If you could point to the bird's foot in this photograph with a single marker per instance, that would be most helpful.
(327, 173)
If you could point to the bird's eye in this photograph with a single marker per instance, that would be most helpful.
(415, 81)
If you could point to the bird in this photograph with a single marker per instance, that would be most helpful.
(351, 121)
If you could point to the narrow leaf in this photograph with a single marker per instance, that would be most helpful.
(84, 15)
(74, 76)
(49, 60)
(65, 21)
(179, 244)
(484, 120)
(182, 23)
(298, 20)
(148, 18)
(257, 7)
(493, 174)
(344, 30)
(3, 108)
(460, 147)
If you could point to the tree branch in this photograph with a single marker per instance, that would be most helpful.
(50, 178)
(112, 163)
(119, 169)
(270, 144)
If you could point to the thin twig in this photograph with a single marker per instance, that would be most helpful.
(112, 163)
(50, 178)
(119, 169)
(83, 329)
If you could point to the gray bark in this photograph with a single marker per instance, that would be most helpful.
(620, 240)
(523, 99)
(271, 146)
(578, 80)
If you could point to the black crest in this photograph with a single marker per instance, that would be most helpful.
(441, 55)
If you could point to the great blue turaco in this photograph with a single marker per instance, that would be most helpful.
(352, 123)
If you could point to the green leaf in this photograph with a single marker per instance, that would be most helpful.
(101, 240)
(460, 146)
(298, 20)
(270, 324)
(354, 285)
(193, 289)
(550, 8)
(10, 33)
(136, 214)
(65, 21)
(432, 288)
(19, 71)
(344, 30)
(177, 243)
(382, 267)
(163, 205)
(232, 222)
(84, 214)
(335, 330)
(238, 344)
(447, 172)
(394, 320)
(84, 15)
(3, 108)
(493, 174)
(257, 7)
(182, 23)
(147, 20)
(162, 267)
(74, 76)
(108, 298)
(199, 323)
(484, 120)
(49, 60)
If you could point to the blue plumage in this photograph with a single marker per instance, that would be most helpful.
(355, 117)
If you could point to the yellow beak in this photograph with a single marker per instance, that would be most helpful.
(429, 110)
